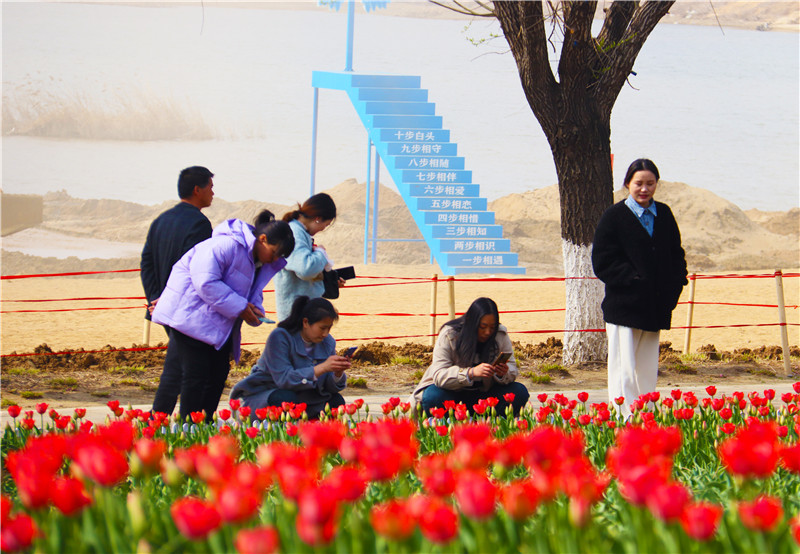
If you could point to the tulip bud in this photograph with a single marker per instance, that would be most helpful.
(136, 512)
(136, 465)
(171, 473)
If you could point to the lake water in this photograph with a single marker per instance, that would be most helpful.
(714, 110)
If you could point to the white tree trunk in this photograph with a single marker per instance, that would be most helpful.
(584, 295)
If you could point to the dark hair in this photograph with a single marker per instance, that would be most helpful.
(195, 176)
(467, 328)
(642, 164)
(312, 309)
(320, 205)
(277, 232)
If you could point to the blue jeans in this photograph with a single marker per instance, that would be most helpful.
(435, 397)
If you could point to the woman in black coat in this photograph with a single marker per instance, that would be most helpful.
(637, 253)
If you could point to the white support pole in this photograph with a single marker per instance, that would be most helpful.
(687, 343)
(434, 282)
(146, 332)
(451, 297)
(315, 117)
(787, 368)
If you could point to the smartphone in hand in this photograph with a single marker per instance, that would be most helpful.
(350, 351)
(264, 319)
(502, 358)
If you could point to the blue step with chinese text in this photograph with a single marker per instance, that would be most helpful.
(427, 171)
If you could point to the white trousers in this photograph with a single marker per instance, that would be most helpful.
(632, 364)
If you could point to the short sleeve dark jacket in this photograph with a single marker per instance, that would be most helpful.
(643, 275)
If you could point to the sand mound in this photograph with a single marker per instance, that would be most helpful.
(717, 235)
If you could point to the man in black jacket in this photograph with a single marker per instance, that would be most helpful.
(171, 235)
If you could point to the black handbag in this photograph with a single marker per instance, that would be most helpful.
(331, 281)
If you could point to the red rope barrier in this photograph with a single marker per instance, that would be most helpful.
(79, 299)
(142, 307)
(71, 274)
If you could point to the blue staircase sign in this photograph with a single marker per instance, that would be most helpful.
(427, 171)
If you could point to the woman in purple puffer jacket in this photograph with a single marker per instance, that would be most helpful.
(213, 288)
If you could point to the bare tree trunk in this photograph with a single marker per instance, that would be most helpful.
(583, 164)
(575, 112)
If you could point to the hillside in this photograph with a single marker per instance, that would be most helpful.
(717, 235)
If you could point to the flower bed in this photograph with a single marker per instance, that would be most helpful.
(682, 475)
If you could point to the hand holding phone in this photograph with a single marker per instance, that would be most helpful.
(350, 351)
(502, 358)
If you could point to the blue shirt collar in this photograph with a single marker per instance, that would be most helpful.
(637, 209)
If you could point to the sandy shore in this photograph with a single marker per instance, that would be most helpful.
(88, 327)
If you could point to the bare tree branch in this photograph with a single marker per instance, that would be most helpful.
(624, 54)
(464, 10)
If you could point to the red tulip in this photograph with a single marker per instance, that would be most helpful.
(237, 504)
(794, 527)
(244, 412)
(753, 451)
(472, 446)
(251, 432)
(214, 468)
(119, 434)
(150, 452)
(197, 417)
(68, 495)
(325, 436)
(762, 514)
(542, 397)
(33, 481)
(14, 411)
(346, 482)
(18, 533)
(195, 518)
(251, 476)
(728, 428)
(520, 499)
(234, 403)
(41, 408)
(641, 482)
(700, 520)
(6, 504)
(392, 520)
(101, 463)
(583, 396)
(318, 505)
(261, 540)
(315, 534)
(476, 495)
(790, 457)
(437, 478)
(509, 397)
(668, 501)
(80, 413)
(224, 414)
(439, 522)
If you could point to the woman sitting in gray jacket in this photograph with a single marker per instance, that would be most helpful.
(299, 362)
(465, 365)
